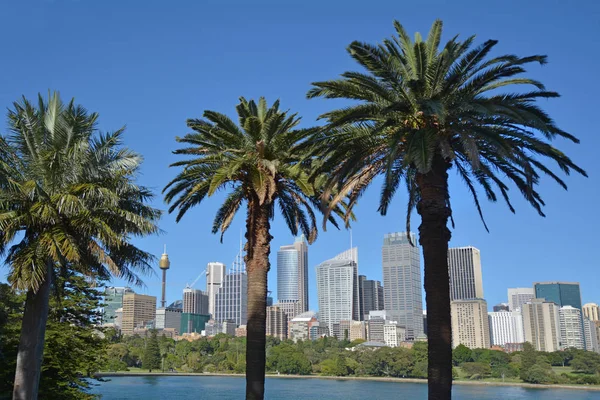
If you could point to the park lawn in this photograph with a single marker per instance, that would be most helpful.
(463, 377)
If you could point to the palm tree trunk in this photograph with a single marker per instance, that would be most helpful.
(257, 267)
(434, 236)
(31, 346)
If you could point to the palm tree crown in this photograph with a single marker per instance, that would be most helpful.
(68, 197)
(261, 161)
(416, 101)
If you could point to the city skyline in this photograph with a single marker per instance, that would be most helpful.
(369, 275)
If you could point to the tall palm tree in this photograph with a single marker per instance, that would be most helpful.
(419, 111)
(68, 201)
(261, 163)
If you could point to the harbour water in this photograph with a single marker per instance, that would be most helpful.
(232, 388)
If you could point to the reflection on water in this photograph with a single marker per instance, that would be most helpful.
(225, 388)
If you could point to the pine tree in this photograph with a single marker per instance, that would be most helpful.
(151, 359)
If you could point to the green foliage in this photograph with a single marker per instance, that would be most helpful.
(151, 359)
(586, 362)
(476, 368)
(74, 348)
(528, 359)
(417, 101)
(287, 359)
(538, 373)
(261, 162)
(461, 354)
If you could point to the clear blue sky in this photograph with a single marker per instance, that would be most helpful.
(150, 65)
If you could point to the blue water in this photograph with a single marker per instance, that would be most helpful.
(226, 388)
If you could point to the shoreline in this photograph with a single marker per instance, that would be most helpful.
(350, 378)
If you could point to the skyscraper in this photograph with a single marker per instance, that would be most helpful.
(337, 291)
(571, 329)
(464, 264)
(470, 325)
(215, 275)
(195, 301)
(519, 296)
(370, 296)
(402, 287)
(591, 335)
(591, 311)
(506, 327)
(561, 293)
(292, 273)
(542, 327)
(113, 300)
(352, 255)
(138, 310)
(231, 300)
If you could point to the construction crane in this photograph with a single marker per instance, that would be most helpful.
(189, 286)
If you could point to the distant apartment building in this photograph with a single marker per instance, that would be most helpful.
(402, 289)
(542, 326)
(370, 296)
(317, 331)
(300, 325)
(195, 301)
(241, 331)
(393, 334)
(506, 327)
(168, 318)
(231, 300)
(358, 330)
(291, 308)
(571, 328)
(519, 296)
(215, 275)
(561, 293)
(292, 273)
(138, 310)
(591, 311)
(591, 336)
(375, 323)
(277, 323)
(464, 265)
(337, 291)
(470, 326)
(113, 300)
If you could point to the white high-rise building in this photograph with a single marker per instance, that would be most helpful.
(571, 329)
(337, 291)
(506, 327)
(195, 301)
(215, 275)
(464, 265)
(542, 328)
(292, 273)
(402, 289)
(470, 326)
(352, 255)
(519, 296)
(231, 300)
(393, 334)
(591, 311)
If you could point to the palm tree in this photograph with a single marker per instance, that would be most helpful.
(68, 202)
(419, 111)
(262, 164)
